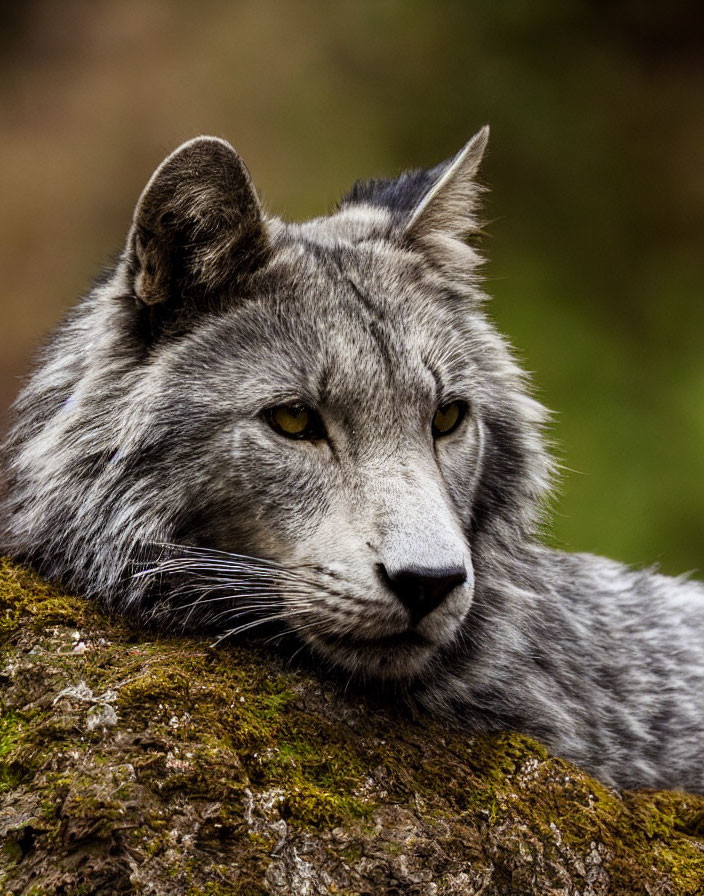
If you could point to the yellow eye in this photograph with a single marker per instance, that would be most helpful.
(448, 417)
(296, 421)
(290, 419)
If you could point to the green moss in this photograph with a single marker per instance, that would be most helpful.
(319, 775)
(312, 807)
(214, 750)
(26, 600)
(12, 852)
(10, 732)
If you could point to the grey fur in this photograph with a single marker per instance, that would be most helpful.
(142, 468)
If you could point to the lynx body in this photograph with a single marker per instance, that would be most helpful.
(315, 426)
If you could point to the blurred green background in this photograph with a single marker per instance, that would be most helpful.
(595, 217)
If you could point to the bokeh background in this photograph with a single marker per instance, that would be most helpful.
(595, 229)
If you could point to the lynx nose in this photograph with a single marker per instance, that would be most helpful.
(422, 590)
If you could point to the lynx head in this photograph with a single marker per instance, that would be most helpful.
(318, 416)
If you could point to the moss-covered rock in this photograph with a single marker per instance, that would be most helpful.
(136, 764)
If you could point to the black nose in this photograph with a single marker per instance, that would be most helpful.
(422, 590)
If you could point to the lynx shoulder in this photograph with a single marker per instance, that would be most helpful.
(316, 428)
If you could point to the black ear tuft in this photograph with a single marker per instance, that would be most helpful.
(198, 224)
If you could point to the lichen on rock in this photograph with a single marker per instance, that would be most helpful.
(132, 763)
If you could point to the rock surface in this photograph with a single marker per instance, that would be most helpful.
(137, 764)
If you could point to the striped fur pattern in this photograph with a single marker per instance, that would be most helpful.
(142, 468)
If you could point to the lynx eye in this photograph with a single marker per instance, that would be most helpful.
(448, 417)
(296, 421)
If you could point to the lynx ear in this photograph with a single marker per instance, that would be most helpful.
(197, 224)
(448, 208)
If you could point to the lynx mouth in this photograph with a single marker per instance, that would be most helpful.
(400, 640)
(401, 656)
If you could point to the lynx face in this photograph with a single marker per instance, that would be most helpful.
(317, 419)
(348, 451)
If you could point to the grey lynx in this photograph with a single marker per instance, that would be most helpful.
(316, 427)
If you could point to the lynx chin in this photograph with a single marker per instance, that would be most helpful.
(314, 429)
